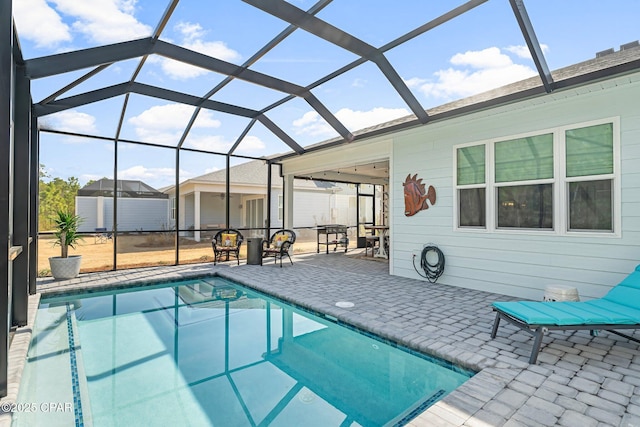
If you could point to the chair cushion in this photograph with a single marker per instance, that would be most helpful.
(279, 239)
(228, 239)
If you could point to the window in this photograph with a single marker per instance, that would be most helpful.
(524, 182)
(562, 181)
(589, 159)
(471, 186)
(280, 207)
(173, 208)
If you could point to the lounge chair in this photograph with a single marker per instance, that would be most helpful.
(226, 242)
(278, 245)
(618, 309)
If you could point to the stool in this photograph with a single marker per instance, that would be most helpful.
(560, 293)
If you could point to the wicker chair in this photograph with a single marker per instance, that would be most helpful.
(278, 245)
(226, 242)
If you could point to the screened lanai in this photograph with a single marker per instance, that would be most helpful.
(185, 98)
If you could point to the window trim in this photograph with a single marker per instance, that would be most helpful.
(280, 207)
(172, 209)
(559, 181)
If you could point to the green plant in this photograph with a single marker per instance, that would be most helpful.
(66, 233)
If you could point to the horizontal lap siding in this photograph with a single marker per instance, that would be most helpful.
(518, 264)
(86, 209)
(142, 214)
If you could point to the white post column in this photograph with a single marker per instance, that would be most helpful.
(181, 213)
(288, 201)
(99, 212)
(196, 213)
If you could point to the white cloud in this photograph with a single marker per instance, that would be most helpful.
(70, 121)
(251, 145)
(208, 143)
(486, 58)
(193, 39)
(143, 173)
(40, 23)
(165, 124)
(359, 83)
(523, 51)
(104, 21)
(312, 124)
(473, 72)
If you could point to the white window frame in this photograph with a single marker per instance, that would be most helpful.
(280, 207)
(560, 185)
(172, 209)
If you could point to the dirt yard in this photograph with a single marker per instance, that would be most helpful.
(137, 251)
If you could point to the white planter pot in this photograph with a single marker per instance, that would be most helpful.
(65, 268)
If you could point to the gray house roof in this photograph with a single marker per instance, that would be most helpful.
(253, 173)
(126, 188)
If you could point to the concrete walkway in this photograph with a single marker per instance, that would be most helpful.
(579, 380)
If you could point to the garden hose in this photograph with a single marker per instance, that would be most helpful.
(431, 270)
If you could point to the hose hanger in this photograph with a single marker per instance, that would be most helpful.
(432, 269)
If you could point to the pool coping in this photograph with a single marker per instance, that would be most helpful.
(17, 359)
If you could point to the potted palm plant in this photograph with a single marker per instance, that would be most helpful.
(65, 266)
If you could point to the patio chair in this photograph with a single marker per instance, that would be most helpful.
(101, 235)
(278, 245)
(225, 243)
(618, 309)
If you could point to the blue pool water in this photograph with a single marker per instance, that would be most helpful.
(208, 352)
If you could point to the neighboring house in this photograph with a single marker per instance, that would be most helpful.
(533, 188)
(202, 200)
(140, 207)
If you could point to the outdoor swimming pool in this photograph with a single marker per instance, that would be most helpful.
(210, 352)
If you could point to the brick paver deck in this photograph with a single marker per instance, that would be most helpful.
(579, 380)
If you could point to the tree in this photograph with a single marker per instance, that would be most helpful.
(55, 195)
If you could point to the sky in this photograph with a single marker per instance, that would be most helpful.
(475, 52)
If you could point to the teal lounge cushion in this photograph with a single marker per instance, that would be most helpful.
(596, 312)
(624, 295)
(620, 306)
(632, 280)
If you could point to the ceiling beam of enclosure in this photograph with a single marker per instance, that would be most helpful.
(445, 17)
(298, 17)
(102, 57)
(259, 54)
(55, 64)
(155, 36)
(99, 58)
(532, 43)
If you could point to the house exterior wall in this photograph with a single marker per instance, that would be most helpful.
(86, 208)
(133, 214)
(519, 263)
(212, 209)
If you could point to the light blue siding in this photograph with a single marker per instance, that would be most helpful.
(519, 264)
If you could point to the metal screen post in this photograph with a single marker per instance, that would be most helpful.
(21, 186)
(6, 72)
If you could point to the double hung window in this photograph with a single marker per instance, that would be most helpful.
(561, 180)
